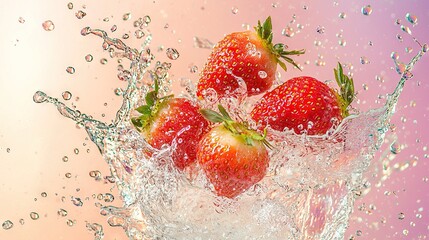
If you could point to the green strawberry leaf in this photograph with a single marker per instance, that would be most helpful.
(151, 98)
(137, 123)
(347, 89)
(212, 116)
(144, 109)
(224, 113)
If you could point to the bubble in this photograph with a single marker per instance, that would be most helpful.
(21, 221)
(125, 36)
(65, 159)
(146, 20)
(70, 70)
(234, 10)
(342, 42)
(7, 225)
(8, 150)
(358, 233)
(288, 32)
(95, 174)
(394, 56)
(401, 216)
(62, 213)
(317, 43)
(80, 14)
(113, 28)
(39, 97)
(103, 61)
(70, 5)
(399, 37)
(48, 25)
(106, 19)
(21, 20)
(262, 74)
(366, 10)
(406, 29)
(172, 53)
(405, 232)
(364, 60)
(44, 194)
(193, 69)
(89, 58)
(34, 215)
(425, 47)
(126, 16)
(76, 151)
(118, 91)
(108, 197)
(342, 15)
(320, 29)
(77, 202)
(68, 175)
(139, 34)
(66, 95)
(274, 4)
(408, 49)
(70, 223)
(411, 18)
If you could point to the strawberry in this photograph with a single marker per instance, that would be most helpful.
(233, 157)
(249, 56)
(167, 119)
(305, 104)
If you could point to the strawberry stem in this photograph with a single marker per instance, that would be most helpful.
(265, 32)
(347, 89)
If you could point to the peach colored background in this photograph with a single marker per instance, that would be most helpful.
(38, 137)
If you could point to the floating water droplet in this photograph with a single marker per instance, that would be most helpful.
(34, 215)
(8, 150)
(62, 212)
(70, 223)
(342, 42)
(21, 221)
(305, 7)
(21, 20)
(262, 74)
(288, 32)
(317, 43)
(234, 10)
(406, 29)
(106, 19)
(7, 225)
(146, 20)
(44, 194)
(108, 197)
(401, 216)
(320, 29)
(89, 58)
(65, 159)
(399, 37)
(366, 10)
(408, 49)
(66, 95)
(394, 56)
(126, 16)
(342, 15)
(48, 25)
(103, 61)
(113, 28)
(70, 5)
(411, 18)
(118, 91)
(68, 175)
(274, 4)
(139, 34)
(193, 69)
(80, 14)
(425, 47)
(364, 60)
(70, 70)
(77, 202)
(39, 97)
(172, 53)
(125, 36)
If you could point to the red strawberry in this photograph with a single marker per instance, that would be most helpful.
(169, 119)
(233, 157)
(305, 104)
(250, 56)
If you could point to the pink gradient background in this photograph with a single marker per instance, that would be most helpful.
(38, 137)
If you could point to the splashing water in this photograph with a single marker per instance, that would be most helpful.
(308, 192)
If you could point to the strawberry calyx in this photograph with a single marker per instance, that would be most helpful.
(150, 110)
(265, 32)
(347, 89)
(237, 128)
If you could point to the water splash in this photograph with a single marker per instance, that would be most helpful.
(308, 192)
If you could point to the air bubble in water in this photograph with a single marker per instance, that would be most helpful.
(34, 215)
(62, 212)
(394, 56)
(408, 49)
(80, 14)
(425, 47)
(44, 194)
(172, 53)
(113, 28)
(70, 70)
(103, 61)
(77, 202)
(70, 5)
(146, 20)
(234, 10)
(342, 15)
(68, 175)
(401, 216)
(320, 29)
(21, 221)
(288, 32)
(406, 29)
(65, 159)
(39, 97)
(89, 58)
(366, 10)
(126, 16)
(139, 34)
(66, 95)
(70, 223)
(48, 25)
(342, 42)
(21, 20)
(7, 225)
(411, 18)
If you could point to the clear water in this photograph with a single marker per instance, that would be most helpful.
(308, 192)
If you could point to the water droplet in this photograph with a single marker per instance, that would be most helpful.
(405, 232)
(411, 18)
(274, 4)
(234, 10)
(76, 151)
(139, 34)
(320, 29)
(70, 5)
(70, 222)
(48, 25)
(262, 74)
(288, 32)
(66, 95)
(425, 47)
(108, 197)
(118, 91)
(406, 29)
(89, 58)
(408, 49)
(103, 61)
(68, 175)
(113, 28)
(44, 194)
(80, 14)
(146, 20)
(399, 37)
(401, 216)
(364, 60)
(358, 233)
(106, 19)
(34, 215)
(342, 42)
(126, 16)
(7, 225)
(77, 202)
(125, 36)
(62, 212)
(366, 10)
(21, 221)
(172, 53)
(193, 69)
(65, 159)
(394, 56)
(39, 97)
(21, 20)
(8, 150)
(342, 15)
(70, 70)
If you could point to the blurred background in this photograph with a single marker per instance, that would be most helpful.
(52, 178)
